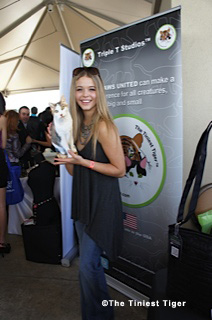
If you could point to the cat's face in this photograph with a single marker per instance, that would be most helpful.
(134, 185)
(136, 168)
(59, 111)
(134, 176)
(88, 56)
(165, 35)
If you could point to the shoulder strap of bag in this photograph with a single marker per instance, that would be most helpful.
(196, 172)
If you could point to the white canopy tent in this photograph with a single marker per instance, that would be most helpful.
(32, 31)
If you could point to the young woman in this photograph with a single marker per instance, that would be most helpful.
(96, 203)
(13, 146)
(4, 247)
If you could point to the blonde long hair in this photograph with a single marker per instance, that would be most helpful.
(102, 111)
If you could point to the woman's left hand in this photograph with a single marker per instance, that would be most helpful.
(75, 159)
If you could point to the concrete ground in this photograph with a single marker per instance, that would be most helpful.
(36, 291)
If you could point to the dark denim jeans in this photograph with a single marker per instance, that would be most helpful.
(93, 287)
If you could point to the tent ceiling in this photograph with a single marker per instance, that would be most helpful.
(31, 35)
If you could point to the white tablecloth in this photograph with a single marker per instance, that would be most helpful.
(23, 210)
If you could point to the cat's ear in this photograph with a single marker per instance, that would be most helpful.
(52, 107)
(128, 161)
(63, 102)
(143, 163)
(141, 167)
(138, 138)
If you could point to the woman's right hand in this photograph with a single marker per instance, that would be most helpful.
(28, 139)
(49, 131)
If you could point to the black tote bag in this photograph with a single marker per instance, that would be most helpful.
(190, 251)
(42, 243)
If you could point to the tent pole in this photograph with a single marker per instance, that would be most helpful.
(156, 6)
(31, 90)
(27, 46)
(41, 64)
(10, 59)
(21, 19)
(95, 13)
(65, 27)
(85, 18)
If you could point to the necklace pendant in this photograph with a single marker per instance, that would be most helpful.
(85, 133)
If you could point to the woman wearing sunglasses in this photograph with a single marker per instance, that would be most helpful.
(96, 202)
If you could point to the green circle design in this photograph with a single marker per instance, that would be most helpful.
(175, 35)
(163, 157)
(93, 56)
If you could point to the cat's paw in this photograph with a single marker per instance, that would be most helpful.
(61, 155)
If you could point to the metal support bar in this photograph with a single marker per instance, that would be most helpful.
(124, 289)
(10, 59)
(27, 46)
(85, 18)
(31, 90)
(41, 64)
(95, 13)
(21, 19)
(66, 261)
(65, 27)
(156, 6)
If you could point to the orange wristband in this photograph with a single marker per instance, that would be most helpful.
(91, 164)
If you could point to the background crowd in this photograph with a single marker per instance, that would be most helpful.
(23, 135)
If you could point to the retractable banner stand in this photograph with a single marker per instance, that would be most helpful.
(68, 61)
(140, 65)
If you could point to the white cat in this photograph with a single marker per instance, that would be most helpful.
(62, 128)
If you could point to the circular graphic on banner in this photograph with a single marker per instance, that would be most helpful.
(88, 57)
(145, 161)
(165, 36)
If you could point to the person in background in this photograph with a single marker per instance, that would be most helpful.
(34, 111)
(4, 247)
(96, 201)
(24, 116)
(32, 123)
(26, 160)
(36, 130)
(46, 116)
(14, 148)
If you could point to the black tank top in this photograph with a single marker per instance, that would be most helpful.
(96, 202)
